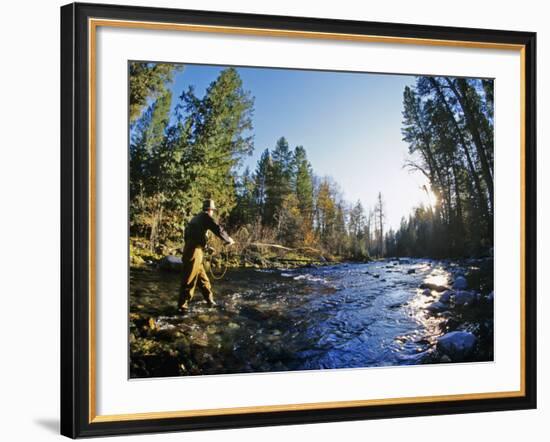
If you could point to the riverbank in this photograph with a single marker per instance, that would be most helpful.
(250, 255)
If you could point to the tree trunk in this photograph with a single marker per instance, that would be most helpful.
(473, 127)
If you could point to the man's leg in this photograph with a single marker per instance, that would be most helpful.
(192, 259)
(205, 286)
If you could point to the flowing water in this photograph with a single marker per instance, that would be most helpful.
(344, 315)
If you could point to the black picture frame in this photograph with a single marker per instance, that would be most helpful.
(76, 417)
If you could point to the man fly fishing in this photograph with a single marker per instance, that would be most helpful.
(196, 236)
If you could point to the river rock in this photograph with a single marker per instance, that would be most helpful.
(431, 286)
(206, 319)
(460, 283)
(198, 338)
(168, 332)
(254, 313)
(463, 298)
(457, 345)
(446, 296)
(437, 307)
(410, 271)
(426, 292)
(170, 263)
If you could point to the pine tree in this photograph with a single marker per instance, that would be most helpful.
(261, 178)
(220, 126)
(357, 226)
(245, 209)
(278, 183)
(303, 188)
(148, 81)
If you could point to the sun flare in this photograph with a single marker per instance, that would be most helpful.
(431, 197)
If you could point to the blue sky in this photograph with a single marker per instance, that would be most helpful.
(349, 124)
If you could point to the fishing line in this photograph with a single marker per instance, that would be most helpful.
(221, 259)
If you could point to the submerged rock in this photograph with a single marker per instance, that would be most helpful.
(396, 305)
(254, 313)
(457, 345)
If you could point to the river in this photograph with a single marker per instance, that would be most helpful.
(333, 316)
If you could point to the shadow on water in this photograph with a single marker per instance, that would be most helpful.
(340, 316)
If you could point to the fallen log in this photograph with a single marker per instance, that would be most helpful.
(277, 246)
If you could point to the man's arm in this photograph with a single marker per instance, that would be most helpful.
(218, 230)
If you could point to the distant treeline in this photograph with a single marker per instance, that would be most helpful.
(191, 148)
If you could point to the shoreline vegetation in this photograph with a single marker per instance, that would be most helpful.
(248, 256)
(189, 148)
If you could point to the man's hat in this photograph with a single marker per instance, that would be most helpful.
(208, 204)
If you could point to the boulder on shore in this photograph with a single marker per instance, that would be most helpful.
(460, 283)
(170, 263)
(457, 345)
(446, 296)
(431, 286)
(463, 298)
(437, 307)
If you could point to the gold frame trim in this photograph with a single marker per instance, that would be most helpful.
(93, 24)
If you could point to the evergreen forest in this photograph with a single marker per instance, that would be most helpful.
(186, 148)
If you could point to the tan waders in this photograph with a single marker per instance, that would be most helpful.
(194, 275)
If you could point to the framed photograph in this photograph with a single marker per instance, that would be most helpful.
(275, 220)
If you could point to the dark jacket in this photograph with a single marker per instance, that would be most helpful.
(195, 231)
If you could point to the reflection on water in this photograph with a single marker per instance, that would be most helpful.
(428, 324)
(346, 315)
(438, 276)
